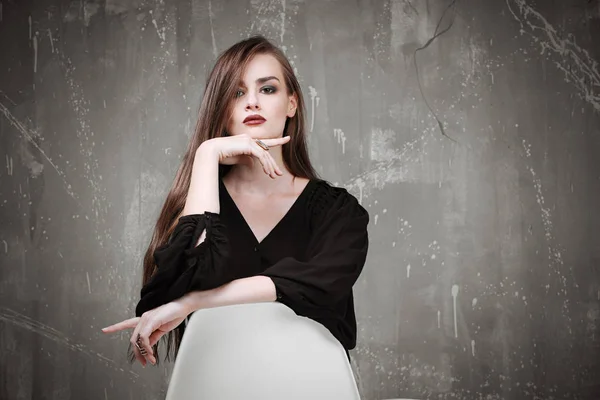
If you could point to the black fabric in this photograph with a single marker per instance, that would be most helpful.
(314, 255)
(181, 267)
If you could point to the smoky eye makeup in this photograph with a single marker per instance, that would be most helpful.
(269, 89)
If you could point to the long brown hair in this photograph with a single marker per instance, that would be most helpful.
(213, 115)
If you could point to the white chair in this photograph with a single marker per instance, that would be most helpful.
(259, 351)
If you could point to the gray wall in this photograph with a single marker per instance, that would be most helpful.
(477, 154)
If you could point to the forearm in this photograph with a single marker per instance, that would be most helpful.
(255, 289)
(203, 194)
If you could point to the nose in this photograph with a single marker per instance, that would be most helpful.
(252, 102)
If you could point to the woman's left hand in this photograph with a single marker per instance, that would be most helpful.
(150, 327)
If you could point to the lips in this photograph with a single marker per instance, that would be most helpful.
(254, 119)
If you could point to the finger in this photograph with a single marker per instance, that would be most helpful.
(272, 164)
(276, 141)
(149, 326)
(138, 355)
(275, 166)
(155, 337)
(128, 323)
(256, 152)
(147, 352)
(261, 155)
(136, 348)
(145, 349)
(266, 159)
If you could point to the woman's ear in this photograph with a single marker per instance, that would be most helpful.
(293, 105)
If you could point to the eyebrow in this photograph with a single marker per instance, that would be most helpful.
(264, 79)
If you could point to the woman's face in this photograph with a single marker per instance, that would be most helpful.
(261, 105)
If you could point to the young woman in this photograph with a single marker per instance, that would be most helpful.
(247, 220)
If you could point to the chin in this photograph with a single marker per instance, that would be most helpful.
(258, 132)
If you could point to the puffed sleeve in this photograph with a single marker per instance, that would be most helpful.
(337, 250)
(181, 265)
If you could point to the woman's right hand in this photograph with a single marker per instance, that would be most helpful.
(242, 149)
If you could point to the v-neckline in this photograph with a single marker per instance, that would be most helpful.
(279, 223)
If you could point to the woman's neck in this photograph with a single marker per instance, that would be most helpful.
(250, 178)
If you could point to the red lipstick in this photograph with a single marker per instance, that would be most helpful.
(254, 119)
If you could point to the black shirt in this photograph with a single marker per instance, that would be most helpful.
(314, 255)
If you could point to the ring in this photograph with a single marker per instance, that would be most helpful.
(262, 144)
(142, 350)
(137, 344)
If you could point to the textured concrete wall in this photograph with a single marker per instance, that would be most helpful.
(470, 130)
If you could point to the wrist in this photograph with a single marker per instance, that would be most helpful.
(206, 150)
(191, 301)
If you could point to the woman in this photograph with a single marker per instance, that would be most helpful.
(247, 220)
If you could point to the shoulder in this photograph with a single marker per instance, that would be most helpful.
(328, 199)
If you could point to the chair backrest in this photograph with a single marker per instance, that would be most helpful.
(259, 350)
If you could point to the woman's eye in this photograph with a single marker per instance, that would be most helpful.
(269, 89)
(239, 93)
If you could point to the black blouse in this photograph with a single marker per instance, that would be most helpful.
(314, 255)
